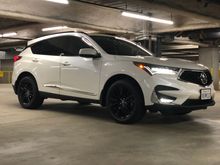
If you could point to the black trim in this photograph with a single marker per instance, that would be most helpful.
(160, 95)
(187, 105)
(63, 97)
(91, 56)
(191, 102)
(165, 88)
(193, 76)
(159, 88)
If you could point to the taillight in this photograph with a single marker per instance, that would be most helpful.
(16, 58)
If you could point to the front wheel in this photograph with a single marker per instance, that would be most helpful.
(28, 94)
(125, 102)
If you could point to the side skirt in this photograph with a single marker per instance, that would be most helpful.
(63, 97)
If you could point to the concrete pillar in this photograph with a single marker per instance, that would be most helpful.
(150, 28)
(158, 47)
(145, 33)
(150, 43)
(210, 57)
(147, 30)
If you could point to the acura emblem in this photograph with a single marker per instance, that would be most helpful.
(203, 78)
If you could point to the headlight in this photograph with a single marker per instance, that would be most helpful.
(153, 69)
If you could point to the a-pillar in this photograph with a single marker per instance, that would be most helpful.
(209, 57)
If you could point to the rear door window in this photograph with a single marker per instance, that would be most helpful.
(65, 45)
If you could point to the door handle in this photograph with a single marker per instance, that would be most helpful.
(35, 60)
(66, 64)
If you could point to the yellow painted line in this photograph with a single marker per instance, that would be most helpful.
(211, 70)
(7, 74)
(1, 74)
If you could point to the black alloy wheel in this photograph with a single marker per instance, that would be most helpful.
(125, 102)
(28, 94)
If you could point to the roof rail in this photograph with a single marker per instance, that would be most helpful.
(72, 31)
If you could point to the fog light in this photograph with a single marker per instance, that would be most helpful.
(159, 98)
(166, 101)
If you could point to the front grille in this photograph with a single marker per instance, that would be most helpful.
(202, 78)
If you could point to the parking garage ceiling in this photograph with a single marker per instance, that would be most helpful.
(28, 17)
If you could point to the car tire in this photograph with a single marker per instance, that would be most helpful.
(28, 94)
(125, 102)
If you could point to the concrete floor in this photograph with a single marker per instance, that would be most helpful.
(68, 134)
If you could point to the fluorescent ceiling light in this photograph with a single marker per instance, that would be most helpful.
(66, 2)
(147, 18)
(54, 28)
(8, 34)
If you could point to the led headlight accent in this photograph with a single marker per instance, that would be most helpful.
(166, 101)
(157, 69)
(159, 98)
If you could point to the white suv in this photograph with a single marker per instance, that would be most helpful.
(112, 71)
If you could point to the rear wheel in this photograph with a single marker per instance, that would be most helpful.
(125, 102)
(28, 94)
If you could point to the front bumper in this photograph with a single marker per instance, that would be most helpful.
(169, 93)
(180, 90)
(190, 105)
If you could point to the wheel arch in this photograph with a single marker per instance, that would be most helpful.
(113, 79)
(23, 74)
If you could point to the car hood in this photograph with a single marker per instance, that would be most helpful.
(179, 63)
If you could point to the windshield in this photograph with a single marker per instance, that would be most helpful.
(118, 46)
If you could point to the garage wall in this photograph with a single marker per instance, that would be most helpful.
(6, 68)
(6, 65)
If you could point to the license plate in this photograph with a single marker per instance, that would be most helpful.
(205, 94)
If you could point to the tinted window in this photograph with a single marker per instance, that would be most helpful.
(68, 45)
(115, 46)
(107, 44)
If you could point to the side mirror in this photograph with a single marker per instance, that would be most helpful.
(88, 53)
